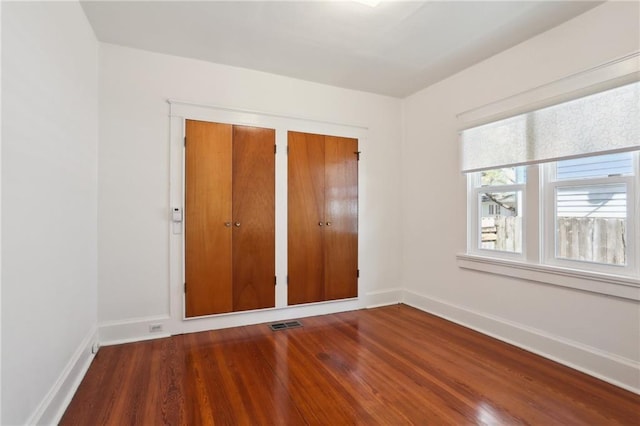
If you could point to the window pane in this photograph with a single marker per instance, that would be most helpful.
(594, 167)
(501, 221)
(591, 223)
(504, 176)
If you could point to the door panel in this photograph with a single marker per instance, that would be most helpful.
(207, 209)
(305, 212)
(254, 212)
(341, 230)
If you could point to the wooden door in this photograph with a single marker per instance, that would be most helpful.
(305, 218)
(341, 218)
(323, 218)
(253, 218)
(208, 159)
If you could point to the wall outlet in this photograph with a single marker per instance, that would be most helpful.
(155, 328)
(95, 347)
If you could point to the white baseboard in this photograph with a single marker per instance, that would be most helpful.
(376, 299)
(132, 330)
(613, 369)
(54, 404)
(138, 329)
(616, 370)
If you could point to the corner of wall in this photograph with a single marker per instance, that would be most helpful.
(52, 407)
(133, 330)
(375, 299)
(0, 215)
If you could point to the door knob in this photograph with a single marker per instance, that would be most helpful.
(227, 224)
(237, 224)
(328, 223)
(320, 224)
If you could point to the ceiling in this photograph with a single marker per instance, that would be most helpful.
(396, 48)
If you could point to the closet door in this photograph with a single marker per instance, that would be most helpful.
(253, 218)
(229, 218)
(322, 217)
(208, 159)
(305, 218)
(341, 218)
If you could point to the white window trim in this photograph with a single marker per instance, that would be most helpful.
(548, 226)
(529, 265)
(474, 217)
(594, 282)
(617, 72)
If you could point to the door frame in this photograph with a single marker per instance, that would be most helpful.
(181, 111)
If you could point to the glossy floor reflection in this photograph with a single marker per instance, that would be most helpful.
(390, 366)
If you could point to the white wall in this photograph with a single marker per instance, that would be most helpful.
(50, 167)
(49, 202)
(593, 332)
(134, 176)
(0, 214)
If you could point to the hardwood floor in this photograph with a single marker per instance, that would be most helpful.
(390, 366)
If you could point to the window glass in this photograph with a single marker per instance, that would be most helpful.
(503, 176)
(591, 222)
(501, 221)
(593, 167)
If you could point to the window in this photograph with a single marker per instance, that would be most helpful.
(586, 208)
(498, 194)
(566, 196)
(591, 210)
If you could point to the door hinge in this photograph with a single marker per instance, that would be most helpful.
(287, 149)
(275, 149)
(287, 279)
(357, 153)
(357, 273)
(185, 141)
(185, 287)
(275, 280)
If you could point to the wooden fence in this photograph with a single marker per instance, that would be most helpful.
(588, 239)
(592, 239)
(502, 233)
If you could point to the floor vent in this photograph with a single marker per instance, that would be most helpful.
(285, 325)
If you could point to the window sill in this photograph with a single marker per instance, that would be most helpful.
(611, 285)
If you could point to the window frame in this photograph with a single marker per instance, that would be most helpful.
(609, 75)
(538, 236)
(550, 184)
(474, 217)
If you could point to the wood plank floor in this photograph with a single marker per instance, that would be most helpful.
(386, 366)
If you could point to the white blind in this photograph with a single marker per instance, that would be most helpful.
(600, 123)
